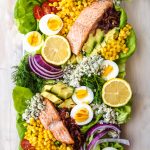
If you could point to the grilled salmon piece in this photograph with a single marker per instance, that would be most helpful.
(49, 115)
(60, 132)
(86, 22)
(51, 121)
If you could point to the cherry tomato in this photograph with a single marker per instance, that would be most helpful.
(26, 145)
(46, 8)
(52, 1)
(54, 9)
(38, 12)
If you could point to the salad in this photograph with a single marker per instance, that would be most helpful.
(71, 92)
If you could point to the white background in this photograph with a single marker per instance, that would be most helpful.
(138, 74)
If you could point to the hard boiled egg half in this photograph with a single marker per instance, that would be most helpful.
(50, 24)
(82, 114)
(110, 70)
(32, 41)
(82, 95)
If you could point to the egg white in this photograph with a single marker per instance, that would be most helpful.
(78, 107)
(43, 25)
(27, 47)
(109, 148)
(114, 73)
(87, 100)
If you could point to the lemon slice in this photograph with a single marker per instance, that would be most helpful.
(116, 92)
(56, 50)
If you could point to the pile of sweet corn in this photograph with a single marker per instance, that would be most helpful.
(115, 46)
(69, 11)
(40, 138)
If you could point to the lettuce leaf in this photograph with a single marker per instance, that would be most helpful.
(85, 128)
(20, 126)
(23, 14)
(124, 114)
(131, 44)
(122, 70)
(20, 97)
(114, 145)
(123, 16)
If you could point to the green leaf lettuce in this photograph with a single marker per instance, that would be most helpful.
(23, 15)
(85, 128)
(114, 145)
(131, 44)
(20, 97)
(123, 16)
(122, 70)
(124, 114)
(20, 126)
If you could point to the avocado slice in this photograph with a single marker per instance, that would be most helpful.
(99, 36)
(75, 59)
(53, 98)
(68, 103)
(72, 60)
(112, 34)
(93, 41)
(47, 88)
(89, 45)
(79, 58)
(62, 90)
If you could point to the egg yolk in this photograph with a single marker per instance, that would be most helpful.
(54, 24)
(81, 93)
(34, 39)
(107, 70)
(81, 115)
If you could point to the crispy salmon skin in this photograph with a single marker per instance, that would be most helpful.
(86, 22)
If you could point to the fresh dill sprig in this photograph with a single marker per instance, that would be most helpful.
(23, 76)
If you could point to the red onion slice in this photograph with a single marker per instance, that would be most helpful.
(96, 138)
(44, 69)
(40, 73)
(45, 65)
(102, 127)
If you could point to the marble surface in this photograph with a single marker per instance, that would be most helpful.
(138, 72)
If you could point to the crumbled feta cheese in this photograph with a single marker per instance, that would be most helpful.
(35, 106)
(88, 66)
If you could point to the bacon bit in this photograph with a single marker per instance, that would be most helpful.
(111, 19)
(73, 128)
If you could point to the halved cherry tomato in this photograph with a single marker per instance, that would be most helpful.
(52, 1)
(54, 9)
(25, 144)
(38, 12)
(46, 8)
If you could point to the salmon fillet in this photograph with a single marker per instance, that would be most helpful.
(51, 121)
(49, 115)
(60, 132)
(87, 20)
